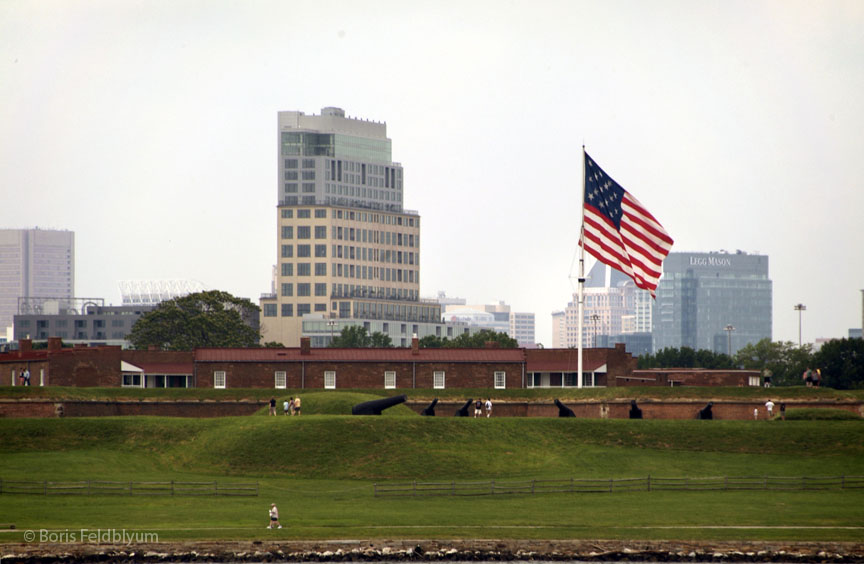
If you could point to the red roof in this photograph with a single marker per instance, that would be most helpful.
(560, 360)
(359, 355)
(165, 367)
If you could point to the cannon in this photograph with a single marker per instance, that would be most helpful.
(563, 410)
(375, 407)
(463, 411)
(705, 412)
(430, 409)
(635, 412)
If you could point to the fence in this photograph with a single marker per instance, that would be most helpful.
(98, 487)
(648, 483)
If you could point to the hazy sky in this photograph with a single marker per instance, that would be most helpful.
(149, 129)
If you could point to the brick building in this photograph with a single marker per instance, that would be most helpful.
(335, 368)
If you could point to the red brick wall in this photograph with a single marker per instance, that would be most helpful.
(694, 377)
(369, 375)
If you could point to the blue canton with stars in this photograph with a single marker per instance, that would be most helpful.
(602, 192)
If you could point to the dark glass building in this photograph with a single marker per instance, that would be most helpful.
(714, 301)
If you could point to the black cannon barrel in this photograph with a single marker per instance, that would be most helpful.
(635, 411)
(375, 407)
(563, 410)
(463, 411)
(705, 412)
(430, 409)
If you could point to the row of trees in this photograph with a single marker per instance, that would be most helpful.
(217, 319)
(841, 361)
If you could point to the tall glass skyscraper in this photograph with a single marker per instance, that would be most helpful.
(714, 301)
(34, 263)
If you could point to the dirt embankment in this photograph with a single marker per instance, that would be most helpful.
(426, 550)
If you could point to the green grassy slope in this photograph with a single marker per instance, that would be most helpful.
(319, 468)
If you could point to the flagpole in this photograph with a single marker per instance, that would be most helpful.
(580, 299)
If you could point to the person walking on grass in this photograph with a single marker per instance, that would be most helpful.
(488, 407)
(272, 406)
(769, 406)
(286, 407)
(297, 405)
(478, 408)
(274, 516)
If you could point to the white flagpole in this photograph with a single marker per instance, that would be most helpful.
(580, 299)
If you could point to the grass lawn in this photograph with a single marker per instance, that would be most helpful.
(320, 470)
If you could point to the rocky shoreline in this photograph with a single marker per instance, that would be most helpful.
(435, 551)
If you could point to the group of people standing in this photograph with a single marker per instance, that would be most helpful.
(479, 406)
(290, 407)
(812, 378)
(24, 377)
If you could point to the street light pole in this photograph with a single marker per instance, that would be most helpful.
(595, 318)
(799, 308)
(729, 330)
(332, 324)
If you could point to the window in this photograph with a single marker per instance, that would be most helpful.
(753, 381)
(303, 231)
(287, 310)
(287, 269)
(287, 251)
(280, 380)
(269, 310)
(320, 289)
(303, 214)
(287, 289)
(500, 380)
(287, 214)
(438, 380)
(304, 289)
(320, 231)
(330, 380)
(304, 269)
(219, 379)
(303, 309)
(320, 214)
(320, 251)
(131, 380)
(287, 232)
(389, 380)
(290, 163)
(304, 251)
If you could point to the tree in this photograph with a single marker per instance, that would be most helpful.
(357, 337)
(433, 342)
(478, 340)
(786, 360)
(685, 357)
(202, 319)
(842, 363)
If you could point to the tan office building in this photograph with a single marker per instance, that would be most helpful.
(346, 247)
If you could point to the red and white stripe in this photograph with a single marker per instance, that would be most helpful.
(637, 250)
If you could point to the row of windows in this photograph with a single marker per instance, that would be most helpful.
(366, 217)
(77, 323)
(393, 238)
(304, 251)
(280, 380)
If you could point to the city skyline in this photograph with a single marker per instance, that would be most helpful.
(146, 128)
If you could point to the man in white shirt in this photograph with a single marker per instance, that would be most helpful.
(769, 405)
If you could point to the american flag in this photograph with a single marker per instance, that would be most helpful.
(619, 231)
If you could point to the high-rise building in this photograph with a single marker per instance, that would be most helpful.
(346, 249)
(34, 263)
(713, 301)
